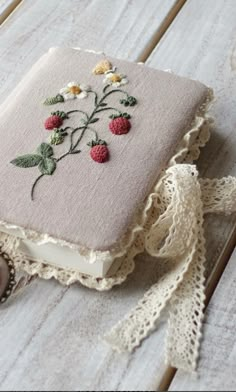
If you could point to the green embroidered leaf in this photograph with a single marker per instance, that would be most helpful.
(129, 101)
(53, 100)
(125, 115)
(28, 160)
(132, 101)
(47, 166)
(61, 114)
(103, 104)
(94, 120)
(124, 102)
(102, 142)
(97, 142)
(45, 150)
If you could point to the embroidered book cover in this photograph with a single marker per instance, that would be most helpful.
(84, 139)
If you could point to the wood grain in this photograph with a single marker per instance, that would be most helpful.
(201, 44)
(7, 7)
(218, 353)
(121, 28)
(52, 340)
(161, 30)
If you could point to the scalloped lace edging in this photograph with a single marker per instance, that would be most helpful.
(187, 151)
(172, 232)
(176, 239)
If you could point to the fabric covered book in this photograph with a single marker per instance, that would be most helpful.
(84, 141)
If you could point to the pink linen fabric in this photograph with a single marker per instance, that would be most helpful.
(85, 202)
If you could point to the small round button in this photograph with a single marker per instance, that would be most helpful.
(7, 277)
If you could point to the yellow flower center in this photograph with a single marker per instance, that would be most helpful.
(75, 90)
(115, 78)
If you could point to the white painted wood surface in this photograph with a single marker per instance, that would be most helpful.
(121, 28)
(4, 4)
(52, 339)
(201, 44)
(6, 7)
(218, 350)
(52, 332)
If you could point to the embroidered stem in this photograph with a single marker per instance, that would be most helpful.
(95, 98)
(113, 91)
(95, 132)
(105, 88)
(71, 136)
(34, 185)
(63, 156)
(100, 106)
(110, 108)
(80, 138)
(78, 111)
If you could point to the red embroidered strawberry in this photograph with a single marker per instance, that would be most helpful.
(99, 151)
(120, 125)
(53, 122)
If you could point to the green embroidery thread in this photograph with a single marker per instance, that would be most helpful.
(58, 136)
(61, 114)
(28, 160)
(129, 101)
(53, 100)
(44, 157)
(124, 115)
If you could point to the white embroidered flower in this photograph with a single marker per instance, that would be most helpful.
(115, 79)
(74, 90)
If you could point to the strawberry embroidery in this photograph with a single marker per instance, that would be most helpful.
(120, 126)
(99, 151)
(45, 158)
(53, 122)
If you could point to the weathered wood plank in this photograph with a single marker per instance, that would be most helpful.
(121, 28)
(201, 44)
(218, 353)
(53, 333)
(7, 7)
(52, 340)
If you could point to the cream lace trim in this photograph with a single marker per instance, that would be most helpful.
(188, 151)
(175, 237)
(172, 232)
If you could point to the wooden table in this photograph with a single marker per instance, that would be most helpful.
(49, 336)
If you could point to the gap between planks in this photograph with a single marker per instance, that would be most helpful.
(211, 286)
(9, 10)
(161, 30)
(229, 246)
(149, 47)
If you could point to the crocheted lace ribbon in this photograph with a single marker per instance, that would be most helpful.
(174, 235)
(176, 239)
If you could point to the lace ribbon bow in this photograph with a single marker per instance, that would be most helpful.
(174, 235)
(176, 239)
